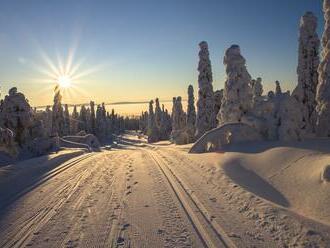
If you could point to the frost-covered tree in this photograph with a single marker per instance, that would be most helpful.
(143, 123)
(206, 119)
(179, 133)
(191, 114)
(278, 89)
(218, 96)
(308, 63)
(165, 126)
(66, 130)
(74, 121)
(58, 116)
(237, 96)
(178, 115)
(101, 129)
(158, 113)
(16, 114)
(82, 125)
(152, 131)
(323, 87)
(48, 120)
(257, 88)
(93, 121)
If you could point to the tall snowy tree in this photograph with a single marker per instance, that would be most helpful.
(58, 116)
(218, 95)
(66, 130)
(206, 119)
(93, 121)
(237, 96)
(323, 87)
(82, 126)
(74, 121)
(152, 131)
(16, 114)
(308, 63)
(191, 114)
(158, 113)
(179, 120)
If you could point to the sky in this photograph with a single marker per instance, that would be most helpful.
(136, 50)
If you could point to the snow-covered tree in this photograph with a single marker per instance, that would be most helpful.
(278, 89)
(93, 121)
(58, 116)
(323, 87)
(82, 125)
(257, 88)
(308, 63)
(74, 121)
(237, 96)
(16, 114)
(152, 131)
(191, 114)
(218, 96)
(158, 113)
(206, 119)
(178, 134)
(101, 125)
(165, 126)
(66, 130)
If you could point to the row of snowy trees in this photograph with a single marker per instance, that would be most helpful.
(28, 130)
(275, 116)
(93, 119)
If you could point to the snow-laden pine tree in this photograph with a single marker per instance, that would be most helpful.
(178, 134)
(278, 89)
(101, 125)
(158, 113)
(237, 96)
(308, 63)
(48, 121)
(58, 116)
(16, 114)
(93, 121)
(218, 95)
(165, 125)
(323, 87)
(66, 130)
(82, 125)
(206, 119)
(191, 115)
(74, 121)
(152, 131)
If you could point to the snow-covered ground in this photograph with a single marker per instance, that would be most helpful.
(142, 195)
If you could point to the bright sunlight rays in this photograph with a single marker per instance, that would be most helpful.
(64, 81)
(68, 74)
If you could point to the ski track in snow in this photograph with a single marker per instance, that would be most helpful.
(146, 196)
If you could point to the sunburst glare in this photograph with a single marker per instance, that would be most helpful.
(66, 74)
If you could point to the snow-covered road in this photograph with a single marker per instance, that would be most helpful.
(138, 195)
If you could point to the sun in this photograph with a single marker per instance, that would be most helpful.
(64, 81)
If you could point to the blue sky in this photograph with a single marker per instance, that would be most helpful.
(137, 50)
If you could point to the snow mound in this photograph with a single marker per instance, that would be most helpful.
(81, 141)
(326, 174)
(288, 175)
(219, 138)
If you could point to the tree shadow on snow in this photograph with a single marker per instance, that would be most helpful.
(254, 183)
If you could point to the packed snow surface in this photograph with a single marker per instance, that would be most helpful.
(143, 195)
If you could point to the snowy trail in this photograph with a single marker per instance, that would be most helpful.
(210, 231)
(142, 195)
(115, 198)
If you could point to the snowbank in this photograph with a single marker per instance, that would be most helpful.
(294, 175)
